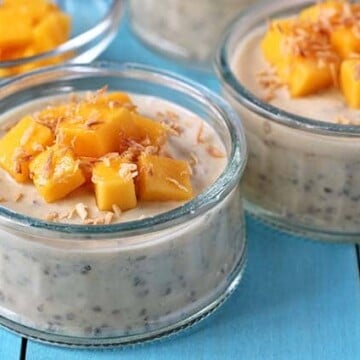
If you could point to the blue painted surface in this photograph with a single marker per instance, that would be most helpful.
(9, 346)
(298, 299)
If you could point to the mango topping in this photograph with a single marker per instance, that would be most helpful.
(18, 146)
(56, 173)
(101, 141)
(163, 179)
(114, 184)
(28, 28)
(308, 51)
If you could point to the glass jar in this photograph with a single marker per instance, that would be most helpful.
(302, 174)
(127, 282)
(184, 29)
(94, 24)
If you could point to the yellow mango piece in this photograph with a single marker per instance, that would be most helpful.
(56, 173)
(350, 82)
(15, 32)
(33, 10)
(25, 140)
(94, 131)
(52, 30)
(163, 179)
(272, 44)
(142, 130)
(345, 41)
(307, 76)
(114, 184)
(149, 129)
(328, 9)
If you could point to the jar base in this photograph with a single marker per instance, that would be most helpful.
(185, 325)
(280, 223)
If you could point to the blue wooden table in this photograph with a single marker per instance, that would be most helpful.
(299, 299)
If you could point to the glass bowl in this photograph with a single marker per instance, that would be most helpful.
(185, 30)
(94, 24)
(302, 174)
(117, 284)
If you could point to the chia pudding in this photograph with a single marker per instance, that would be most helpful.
(91, 284)
(183, 28)
(303, 169)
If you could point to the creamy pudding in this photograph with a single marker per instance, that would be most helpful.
(128, 281)
(302, 173)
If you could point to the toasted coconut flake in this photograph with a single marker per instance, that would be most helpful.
(19, 157)
(71, 213)
(128, 170)
(82, 211)
(194, 159)
(108, 217)
(129, 106)
(215, 152)
(151, 150)
(93, 122)
(175, 182)
(117, 211)
(27, 135)
(18, 197)
(199, 136)
(48, 165)
(52, 216)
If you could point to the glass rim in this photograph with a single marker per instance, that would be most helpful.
(196, 207)
(223, 69)
(112, 16)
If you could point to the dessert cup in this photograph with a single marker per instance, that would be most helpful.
(129, 282)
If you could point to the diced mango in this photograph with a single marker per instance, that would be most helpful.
(93, 132)
(51, 31)
(149, 129)
(114, 184)
(33, 10)
(28, 28)
(345, 41)
(25, 140)
(56, 173)
(14, 32)
(141, 130)
(328, 9)
(350, 81)
(308, 76)
(272, 44)
(163, 179)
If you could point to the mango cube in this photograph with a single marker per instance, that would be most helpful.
(93, 132)
(148, 129)
(350, 81)
(308, 76)
(25, 140)
(345, 41)
(272, 44)
(114, 184)
(163, 179)
(56, 173)
(142, 130)
(51, 31)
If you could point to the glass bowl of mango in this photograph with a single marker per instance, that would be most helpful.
(41, 33)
